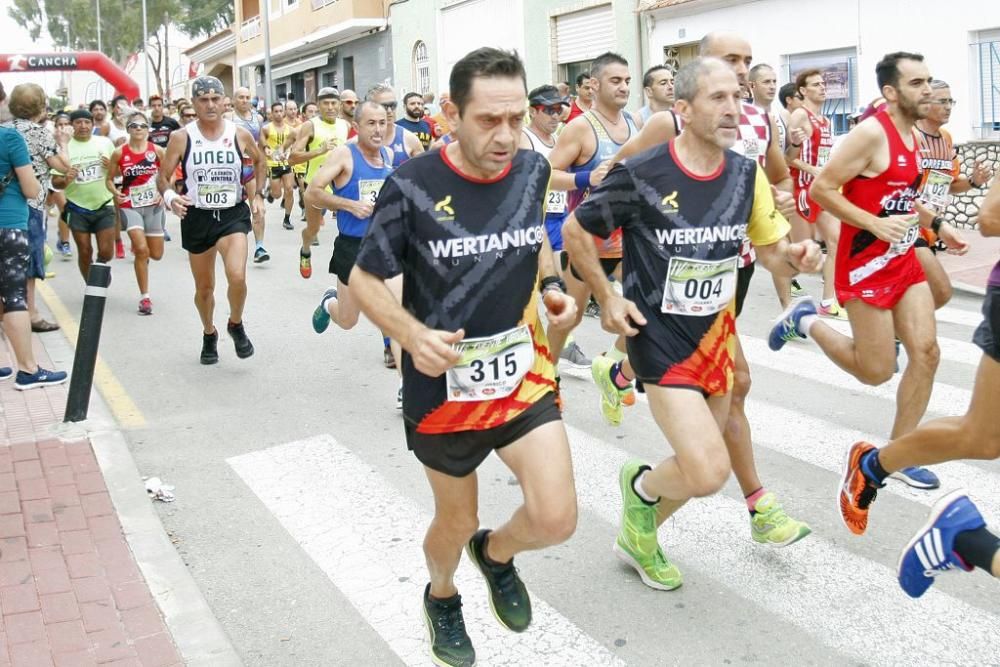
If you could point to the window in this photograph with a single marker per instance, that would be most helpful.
(421, 68)
(569, 71)
(348, 66)
(839, 69)
(281, 91)
(328, 80)
(986, 85)
(677, 56)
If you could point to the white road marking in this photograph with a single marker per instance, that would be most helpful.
(958, 351)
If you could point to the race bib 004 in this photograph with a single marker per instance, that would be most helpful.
(142, 195)
(217, 195)
(936, 190)
(368, 190)
(698, 287)
(491, 367)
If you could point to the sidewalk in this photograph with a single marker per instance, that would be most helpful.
(969, 272)
(71, 593)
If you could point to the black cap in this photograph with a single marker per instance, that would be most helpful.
(80, 114)
(206, 85)
(546, 96)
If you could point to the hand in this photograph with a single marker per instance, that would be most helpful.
(618, 315)
(560, 309)
(805, 256)
(432, 352)
(360, 209)
(105, 161)
(893, 228)
(597, 175)
(981, 174)
(329, 145)
(784, 202)
(72, 174)
(179, 205)
(119, 196)
(952, 239)
(257, 207)
(796, 135)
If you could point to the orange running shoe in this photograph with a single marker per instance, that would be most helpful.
(628, 396)
(856, 491)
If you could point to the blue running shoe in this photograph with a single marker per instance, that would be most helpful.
(917, 477)
(786, 327)
(321, 317)
(40, 378)
(6, 372)
(931, 551)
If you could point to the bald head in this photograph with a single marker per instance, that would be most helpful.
(241, 97)
(731, 49)
(348, 104)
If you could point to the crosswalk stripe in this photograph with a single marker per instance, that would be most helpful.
(831, 590)
(367, 536)
(960, 316)
(958, 351)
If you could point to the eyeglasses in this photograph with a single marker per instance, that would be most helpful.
(138, 126)
(555, 112)
(945, 103)
(390, 106)
(189, 115)
(350, 103)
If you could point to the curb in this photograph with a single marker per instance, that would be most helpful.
(975, 290)
(197, 633)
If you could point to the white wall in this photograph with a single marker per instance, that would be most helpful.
(466, 26)
(777, 28)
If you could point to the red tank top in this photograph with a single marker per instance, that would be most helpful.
(861, 256)
(139, 170)
(816, 149)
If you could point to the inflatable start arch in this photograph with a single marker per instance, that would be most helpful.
(81, 60)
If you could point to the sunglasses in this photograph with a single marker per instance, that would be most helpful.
(349, 103)
(189, 115)
(138, 126)
(390, 106)
(555, 112)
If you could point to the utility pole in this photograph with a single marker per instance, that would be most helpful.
(145, 42)
(267, 53)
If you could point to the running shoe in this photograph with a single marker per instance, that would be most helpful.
(321, 318)
(899, 344)
(210, 348)
(917, 477)
(636, 544)
(931, 552)
(270, 197)
(399, 396)
(593, 309)
(388, 360)
(786, 327)
(450, 643)
(119, 249)
(508, 596)
(145, 306)
(305, 265)
(611, 397)
(287, 223)
(833, 311)
(797, 291)
(166, 236)
(40, 378)
(64, 249)
(770, 525)
(244, 348)
(573, 356)
(857, 492)
(260, 255)
(315, 242)
(6, 372)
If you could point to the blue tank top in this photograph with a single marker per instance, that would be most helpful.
(398, 147)
(365, 184)
(606, 149)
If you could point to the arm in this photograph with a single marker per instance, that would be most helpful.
(318, 194)
(768, 230)
(412, 144)
(254, 188)
(798, 131)
(164, 180)
(775, 165)
(30, 187)
(989, 212)
(659, 129)
(565, 154)
(299, 153)
(113, 170)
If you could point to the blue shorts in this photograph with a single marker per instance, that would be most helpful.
(553, 227)
(36, 243)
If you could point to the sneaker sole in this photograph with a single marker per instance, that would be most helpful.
(573, 364)
(626, 558)
(39, 385)
(914, 483)
(489, 596)
(840, 491)
(937, 509)
(804, 531)
(430, 637)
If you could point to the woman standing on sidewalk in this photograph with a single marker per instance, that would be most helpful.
(18, 183)
(136, 164)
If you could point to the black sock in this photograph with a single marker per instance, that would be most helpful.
(305, 253)
(978, 547)
(489, 561)
(872, 468)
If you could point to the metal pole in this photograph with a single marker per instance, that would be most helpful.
(145, 42)
(87, 342)
(268, 94)
(99, 45)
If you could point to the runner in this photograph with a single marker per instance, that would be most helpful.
(942, 177)
(791, 99)
(584, 99)
(870, 184)
(404, 144)
(295, 120)
(272, 140)
(658, 86)
(810, 138)
(348, 106)
(62, 131)
(99, 111)
(463, 344)
(89, 209)
(160, 124)
(413, 119)
(545, 109)
(215, 218)
(245, 116)
(955, 537)
(118, 136)
(313, 141)
(679, 306)
(139, 204)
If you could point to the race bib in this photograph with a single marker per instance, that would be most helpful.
(936, 190)
(491, 367)
(368, 190)
(556, 202)
(217, 195)
(697, 287)
(911, 236)
(142, 195)
(751, 148)
(823, 156)
(90, 172)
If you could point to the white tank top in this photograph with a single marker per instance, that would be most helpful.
(213, 169)
(537, 144)
(114, 134)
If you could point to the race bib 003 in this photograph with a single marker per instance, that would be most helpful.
(142, 195)
(368, 190)
(936, 190)
(217, 195)
(491, 367)
(698, 287)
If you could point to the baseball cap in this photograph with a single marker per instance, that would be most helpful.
(79, 114)
(328, 92)
(547, 96)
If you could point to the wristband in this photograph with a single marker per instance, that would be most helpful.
(552, 282)
(582, 180)
(936, 224)
(169, 196)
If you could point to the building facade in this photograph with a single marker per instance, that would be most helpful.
(556, 38)
(213, 56)
(846, 40)
(313, 43)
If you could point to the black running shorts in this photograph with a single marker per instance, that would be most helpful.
(345, 253)
(987, 336)
(743, 276)
(458, 454)
(201, 228)
(278, 172)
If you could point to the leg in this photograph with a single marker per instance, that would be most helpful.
(395, 286)
(937, 278)
(870, 355)
(916, 327)
(801, 230)
(737, 431)
(456, 518)
(17, 327)
(155, 246)
(84, 252)
(141, 251)
(287, 184)
(203, 271)
(258, 228)
(233, 249)
(581, 294)
(345, 309)
(314, 220)
(829, 229)
(106, 242)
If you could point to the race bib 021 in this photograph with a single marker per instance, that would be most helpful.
(491, 367)
(698, 287)
(937, 189)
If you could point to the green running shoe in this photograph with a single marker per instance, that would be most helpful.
(611, 396)
(636, 544)
(321, 317)
(508, 596)
(770, 525)
(450, 644)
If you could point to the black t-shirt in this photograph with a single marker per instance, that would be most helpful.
(421, 128)
(468, 251)
(159, 130)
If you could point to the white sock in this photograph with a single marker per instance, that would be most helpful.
(806, 322)
(327, 300)
(144, 296)
(637, 487)
(826, 303)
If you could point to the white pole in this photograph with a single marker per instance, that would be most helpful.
(267, 53)
(99, 45)
(145, 42)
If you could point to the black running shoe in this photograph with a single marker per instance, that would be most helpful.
(287, 223)
(508, 597)
(244, 348)
(210, 348)
(450, 644)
